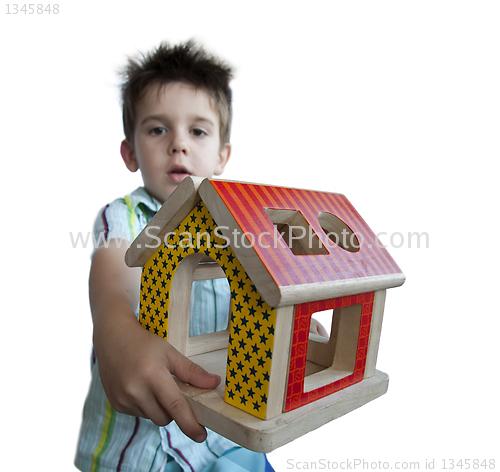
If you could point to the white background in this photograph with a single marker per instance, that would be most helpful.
(394, 103)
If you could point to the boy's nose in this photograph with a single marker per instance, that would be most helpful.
(178, 144)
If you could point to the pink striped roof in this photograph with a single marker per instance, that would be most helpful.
(247, 204)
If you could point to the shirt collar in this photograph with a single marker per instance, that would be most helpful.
(141, 196)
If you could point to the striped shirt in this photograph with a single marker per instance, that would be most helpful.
(111, 441)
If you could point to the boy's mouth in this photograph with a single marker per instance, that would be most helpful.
(178, 173)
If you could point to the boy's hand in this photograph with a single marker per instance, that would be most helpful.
(318, 328)
(136, 371)
(136, 366)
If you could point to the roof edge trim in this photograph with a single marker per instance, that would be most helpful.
(177, 206)
(293, 295)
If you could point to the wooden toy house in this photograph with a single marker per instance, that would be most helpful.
(287, 254)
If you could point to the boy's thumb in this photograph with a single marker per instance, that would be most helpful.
(187, 371)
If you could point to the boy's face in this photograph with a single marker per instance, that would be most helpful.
(176, 134)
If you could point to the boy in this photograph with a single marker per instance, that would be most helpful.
(177, 119)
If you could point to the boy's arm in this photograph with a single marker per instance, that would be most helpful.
(135, 365)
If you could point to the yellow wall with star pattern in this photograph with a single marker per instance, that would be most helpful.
(251, 336)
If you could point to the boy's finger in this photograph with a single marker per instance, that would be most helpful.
(187, 371)
(172, 400)
(155, 412)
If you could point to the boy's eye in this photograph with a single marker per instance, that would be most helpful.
(198, 132)
(158, 130)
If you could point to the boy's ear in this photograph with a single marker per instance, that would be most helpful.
(128, 155)
(224, 155)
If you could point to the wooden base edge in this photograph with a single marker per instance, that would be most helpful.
(259, 435)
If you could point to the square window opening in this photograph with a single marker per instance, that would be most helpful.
(333, 358)
(295, 232)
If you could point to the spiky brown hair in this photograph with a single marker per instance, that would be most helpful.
(186, 62)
